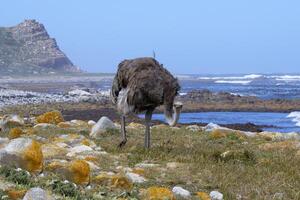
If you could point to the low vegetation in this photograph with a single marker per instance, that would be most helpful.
(238, 166)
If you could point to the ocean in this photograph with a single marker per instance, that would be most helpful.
(271, 86)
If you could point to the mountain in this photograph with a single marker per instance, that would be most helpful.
(28, 49)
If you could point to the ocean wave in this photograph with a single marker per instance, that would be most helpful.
(233, 82)
(295, 117)
(286, 78)
(245, 77)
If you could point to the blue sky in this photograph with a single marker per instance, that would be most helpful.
(195, 36)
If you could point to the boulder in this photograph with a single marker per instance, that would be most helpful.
(53, 150)
(9, 121)
(135, 178)
(44, 125)
(91, 122)
(77, 171)
(24, 153)
(203, 195)
(180, 192)
(37, 194)
(215, 195)
(104, 124)
(194, 128)
(53, 117)
(158, 193)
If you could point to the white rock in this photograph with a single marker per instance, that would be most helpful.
(91, 122)
(44, 125)
(37, 194)
(102, 126)
(212, 126)
(146, 165)
(3, 141)
(16, 119)
(193, 128)
(249, 134)
(215, 195)
(78, 92)
(79, 149)
(135, 178)
(179, 191)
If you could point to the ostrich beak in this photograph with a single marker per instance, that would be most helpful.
(178, 105)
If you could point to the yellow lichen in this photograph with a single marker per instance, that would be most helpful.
(64, 125)
(15, 133)
(33, 157)
(86, 142)
(136, 125)
(54, 165)
(121, 182)
(80, 171)
(15, 194)
(30, 131)
(53, 117)
(158, 193)
(139, 171)
(217, 134)
(102, 179)
(91, 158)
(203, 195)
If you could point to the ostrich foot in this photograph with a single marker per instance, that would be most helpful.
(122, 144)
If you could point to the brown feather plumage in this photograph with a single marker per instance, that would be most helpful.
(149, 84)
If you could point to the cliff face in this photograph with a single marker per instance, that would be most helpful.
(28, 47)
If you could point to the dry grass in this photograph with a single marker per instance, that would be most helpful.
(248, 172)
(236, 166)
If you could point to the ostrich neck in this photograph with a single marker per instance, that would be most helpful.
(172, 117)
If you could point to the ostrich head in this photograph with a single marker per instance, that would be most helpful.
(173, 116)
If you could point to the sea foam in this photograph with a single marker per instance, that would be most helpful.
(295, 117)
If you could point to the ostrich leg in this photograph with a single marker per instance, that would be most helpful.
(148, 117)
(123, 132)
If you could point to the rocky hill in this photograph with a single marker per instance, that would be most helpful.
(28, 49)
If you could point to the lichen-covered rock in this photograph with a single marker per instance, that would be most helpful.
(24, 153)
(15, 194)
(79, 149)
(53, 117)
(80, 172)
(116, 181)
(203, 196)
(10, 121)
(77, 171)
(53, 150)
(44, 126)
(15, 133)
(37, 194)
(217, 134)
(157, 193)
(193, 128)
(135, 178)
(104, 124)
(79, 123)
(64, 124)
(121, 182)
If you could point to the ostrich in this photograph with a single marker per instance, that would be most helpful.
(141, 85)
